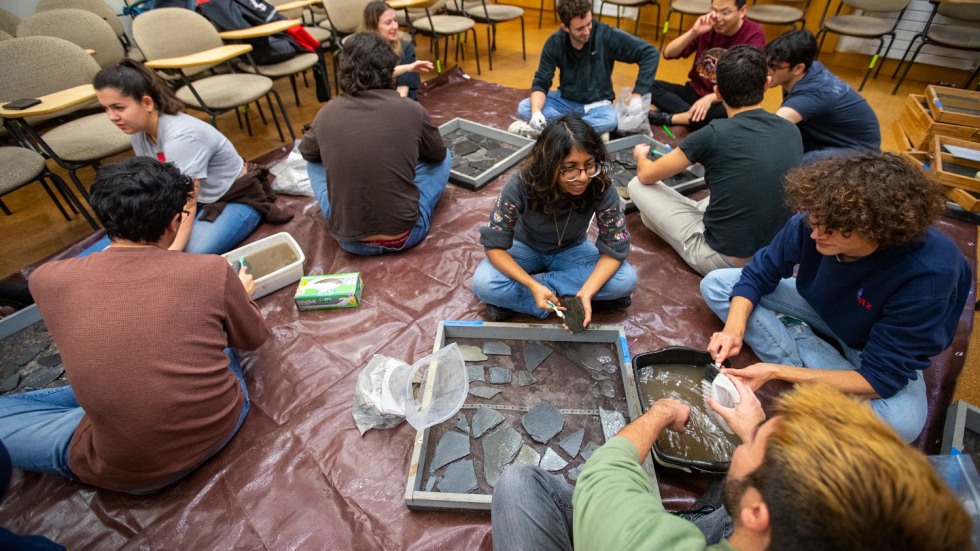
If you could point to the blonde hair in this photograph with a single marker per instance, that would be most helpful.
(835, 476)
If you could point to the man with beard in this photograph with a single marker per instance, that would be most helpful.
(823, 473)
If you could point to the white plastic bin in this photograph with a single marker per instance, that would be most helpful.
(279, 278)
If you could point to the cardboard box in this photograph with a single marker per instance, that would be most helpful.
(323, 292)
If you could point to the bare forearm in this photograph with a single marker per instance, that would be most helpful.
(738, 316)
(849, 382)
(647, 428)
(537, 101)
(676, 46)
(604, 269)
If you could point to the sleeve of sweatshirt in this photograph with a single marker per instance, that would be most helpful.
(630, 49)
(499, 233)
(614, 239)
(547, 64)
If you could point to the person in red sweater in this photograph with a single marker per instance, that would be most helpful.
(146, 336)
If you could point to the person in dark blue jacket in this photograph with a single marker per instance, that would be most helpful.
(873, 277)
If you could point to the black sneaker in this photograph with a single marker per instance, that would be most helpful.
(614, 304)
(709, 502)
(498, 313)
(658, 118)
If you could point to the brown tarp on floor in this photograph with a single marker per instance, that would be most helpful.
(298, 475)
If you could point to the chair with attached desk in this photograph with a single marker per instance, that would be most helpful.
(80, 27)
(102, 9)
(959, 37)
(63, 83)
(186, 45)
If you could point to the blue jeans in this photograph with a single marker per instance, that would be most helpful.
(563, 272)
(799, 345)
(37, 427)
(531, 509)
(235, 223)
(431, 179)
(603, 119)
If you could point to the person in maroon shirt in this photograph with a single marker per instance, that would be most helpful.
(146, 337)
(695, 103)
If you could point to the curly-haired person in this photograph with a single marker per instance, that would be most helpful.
(873, 277)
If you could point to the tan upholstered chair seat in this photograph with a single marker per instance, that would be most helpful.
(691, 7)
(497, 12)
(445, 24)
(91, 137)
(227, 91)
(958, 36)
(20, 166)
(858, 25)
(774, 14)
(300, 62)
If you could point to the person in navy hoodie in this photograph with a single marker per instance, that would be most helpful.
(874, 278)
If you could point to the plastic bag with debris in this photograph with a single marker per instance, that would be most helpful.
(291, 176)
(633, 115)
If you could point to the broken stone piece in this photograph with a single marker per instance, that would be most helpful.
(461, 423)
(552, 461)
(500, 375)
(587, 451)
(612, 422)
(42, 377)
(572, 442)
(527, 456)
(471, 353)
(50, 360)
(525, 379)
(476, 373)
(484, 392)
(496, 348)
(500, 447)
(574, 314)
(484, 420)
(574, 472)
(459, 478)
(534, 354)
(452, 446)
(10, 383)
(543, 422)
(29, 353)
(463, 148)
(430, 483)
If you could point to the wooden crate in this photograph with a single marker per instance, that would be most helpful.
(917, 127)
(958, 175)
(954, 106)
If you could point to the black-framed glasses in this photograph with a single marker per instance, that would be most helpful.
(774, 66)
(571, 174)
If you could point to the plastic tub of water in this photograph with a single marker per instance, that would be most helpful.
(277, 261)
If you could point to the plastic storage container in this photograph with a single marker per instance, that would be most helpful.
(279, 278)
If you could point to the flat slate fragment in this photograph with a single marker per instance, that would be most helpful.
(543, 422)
(574, 314)
(574, 472)
(527, 456)
(572, 442)
(525, 378)
(50, 360)
(471, 353)
(461, 423)
(500, 447)
(42, 377)
(612, 421)
(452, 446)
(496, 348)
(484, 420)
(500, 375)
(29, 353)
(484, 392)
(534, 354)
(459, 478)
(10, 383)
(587, 451)
(476, 373)
(552, 461)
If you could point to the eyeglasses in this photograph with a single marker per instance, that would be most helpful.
(773, 66)
(725, 12)
(571, 174)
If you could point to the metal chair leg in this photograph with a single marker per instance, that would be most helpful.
(871, 65)
(285, 116)
(476, 51)
(292, 81)
(78, 203)
(3, 207)
(57, 203)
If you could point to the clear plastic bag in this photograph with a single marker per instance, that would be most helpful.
(632, 122)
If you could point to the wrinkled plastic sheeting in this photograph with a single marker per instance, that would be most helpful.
(298, 475)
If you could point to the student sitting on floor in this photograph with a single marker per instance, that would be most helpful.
(536, 242)
(233, 196)
(871, 275)
(695, 103)
(380, 18)
(745, 157)
(832, 117)
(147, 337)
(376, 162)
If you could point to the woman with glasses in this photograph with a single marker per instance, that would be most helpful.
(536, 241)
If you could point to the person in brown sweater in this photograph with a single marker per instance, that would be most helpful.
(376, 162)
(146, 336)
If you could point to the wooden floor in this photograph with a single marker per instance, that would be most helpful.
(36, 229)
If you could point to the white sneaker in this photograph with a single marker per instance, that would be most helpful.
(522, 128)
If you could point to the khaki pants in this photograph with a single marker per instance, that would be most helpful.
(679, 221)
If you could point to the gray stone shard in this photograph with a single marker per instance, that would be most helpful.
(484, 420)
(496, 348)
(588, 449)
(534, 354)
(50, 360)
(525, 378)
(612, 422)
(459, 478)
(451, 447)
(476, 373)
(573, 442)
(471, 353)
(552, 461)
(10, 383)
(500, 447)
(527, 456)
(543, 422)
(500, 375)
(484, 392)
(29, 353)
(430, 483)
(42, 377)
(461, 423)
(574, 472)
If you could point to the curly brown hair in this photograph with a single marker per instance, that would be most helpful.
(542, 168)
(570, 9)
(880, 195)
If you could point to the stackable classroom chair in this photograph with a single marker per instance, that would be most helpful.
(186, 45)
(21, 167)
(638, 4)
(80, 27)
(102, 9)
(863, 26)
(8, 22)
(436, 26)
(490, 14)
(779, 13)
(697, 8)
(959, 37)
